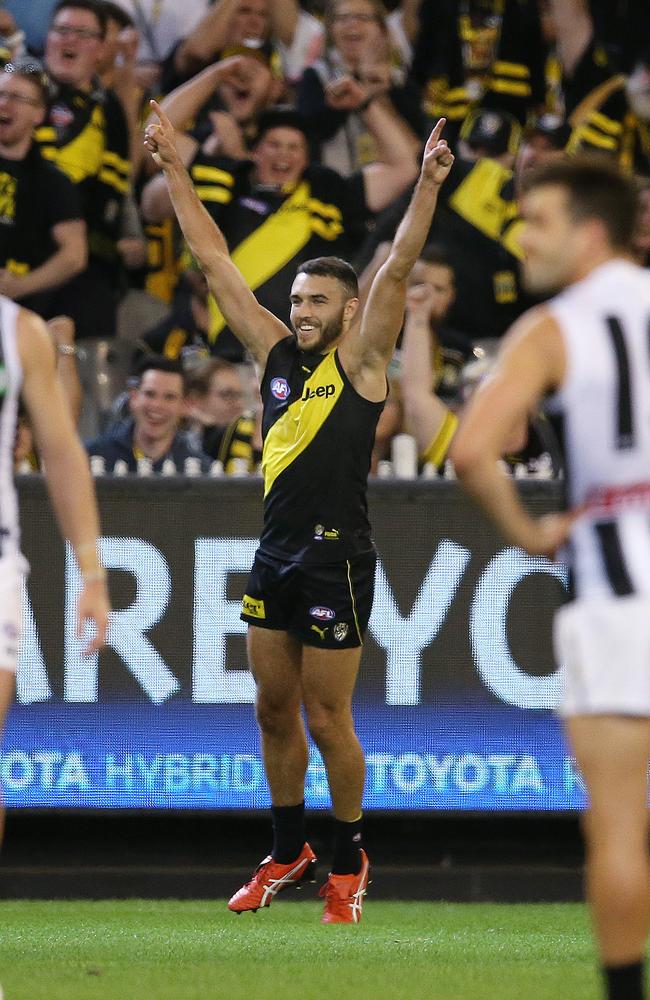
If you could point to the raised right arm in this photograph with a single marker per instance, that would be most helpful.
(255, 326)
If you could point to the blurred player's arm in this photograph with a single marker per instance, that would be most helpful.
(65, 465)
(426, 417)
(531, 364)
(257, 328)
(366, 355)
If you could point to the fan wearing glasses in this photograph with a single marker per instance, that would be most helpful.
(42, 232)
(86, 134)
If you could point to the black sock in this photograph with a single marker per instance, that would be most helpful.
(288, 832)
(624, 982)
(347, 842)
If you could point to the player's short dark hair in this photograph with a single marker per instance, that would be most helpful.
(91, 5)
(597, 190)
(159, 363)
(114, 12)
(333, 267)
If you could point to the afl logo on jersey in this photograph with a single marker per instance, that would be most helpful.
(280, 388)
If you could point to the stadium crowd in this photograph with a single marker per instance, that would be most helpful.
(302, 126)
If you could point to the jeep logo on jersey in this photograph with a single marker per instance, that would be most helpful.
(321, 390)
(321, 613)
(280, 388)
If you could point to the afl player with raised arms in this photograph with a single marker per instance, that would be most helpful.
(309, 596)
(586, 355)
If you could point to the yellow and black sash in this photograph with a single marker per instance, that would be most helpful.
(270, 247)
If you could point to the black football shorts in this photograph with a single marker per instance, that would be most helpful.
(327, 606)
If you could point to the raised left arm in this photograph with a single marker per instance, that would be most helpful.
(366, 355)
(531, 363)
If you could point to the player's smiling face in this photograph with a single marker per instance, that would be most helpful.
(318, 310)
(281, 156)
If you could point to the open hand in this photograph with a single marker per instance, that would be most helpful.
(438, 158)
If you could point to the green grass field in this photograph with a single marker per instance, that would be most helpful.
(166, 950)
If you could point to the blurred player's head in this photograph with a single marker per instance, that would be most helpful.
(577, 214)
(324, 300)
(75, 42)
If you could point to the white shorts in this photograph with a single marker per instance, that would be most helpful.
(13, 570)
(604, 647)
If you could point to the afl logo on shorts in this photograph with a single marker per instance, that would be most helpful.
(321, 613)
(280, 388)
